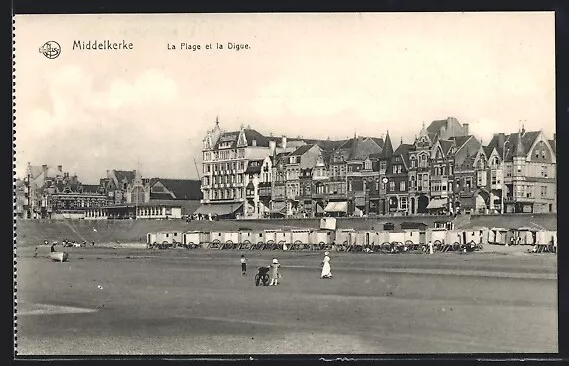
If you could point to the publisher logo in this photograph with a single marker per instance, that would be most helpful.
(50, 49)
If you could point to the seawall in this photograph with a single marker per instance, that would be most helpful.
(34, 232)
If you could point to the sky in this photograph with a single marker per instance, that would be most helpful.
(310, 75)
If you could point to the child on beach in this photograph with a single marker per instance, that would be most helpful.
(243, 265)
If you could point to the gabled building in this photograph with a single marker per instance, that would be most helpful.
(419, 171)
(380, 163)
(320, 183)
(226, 157)
(303, 158)
(523, 166)
(361, 177)
(278, 186)
(257, 191)
(472, 192)
(397, 197)
(441, 177)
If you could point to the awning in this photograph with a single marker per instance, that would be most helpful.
(336, 207)
(219, 209)
(437, 203)
(278, 207)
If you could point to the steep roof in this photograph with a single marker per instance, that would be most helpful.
(403, 151)
(183, 189)
(387, 150)
(160, 196)
(251, 134)
(519, 149)
(254, 166)
(460, 140)
(91, 188)
(301, 150)
(122, 175)
(488, 150)
(527, 140)
(446, 145)
(511, 142)
(279, 157)
(362, 148)
(378, 140)
(467, 164)
(435, 126)
(553, 147)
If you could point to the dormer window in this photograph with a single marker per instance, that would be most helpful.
(254, 143)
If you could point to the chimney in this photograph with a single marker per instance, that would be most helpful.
(44, 169)
(272, 147)
(284, 142)
(60, 168)
(465, 129)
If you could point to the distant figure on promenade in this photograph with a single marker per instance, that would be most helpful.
(52, 249)
(274, 273)
(326, 273)
(243, 265)
(430, 247)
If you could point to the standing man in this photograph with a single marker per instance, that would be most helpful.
(243, 265)
(430, 247)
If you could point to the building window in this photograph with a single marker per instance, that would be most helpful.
(544, 171)
(402, 186)
(468, 182)
(392, 186)
(413, 162)
(543, 191)
(493, 177)
(382, 165)
(403, 202)
(394, 169)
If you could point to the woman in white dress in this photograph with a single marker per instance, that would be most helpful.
(326, 267)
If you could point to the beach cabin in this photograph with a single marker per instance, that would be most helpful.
(223, 237)
(195, 237)
(299, 236)
(397, 237)
(381, 237)
(321, 237)
(364, 238)
(436, 236)
(528, 236)
(161, 238)
(546, 237)
(345, 236)
(246, 236)
(477, 235)
(498, 235)
(454, 237)
(413, 236)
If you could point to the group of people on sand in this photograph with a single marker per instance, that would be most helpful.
(68, 243)
(275, 275)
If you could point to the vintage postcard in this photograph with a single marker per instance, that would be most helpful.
(287, 183)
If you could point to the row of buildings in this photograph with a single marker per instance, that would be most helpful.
(49, 192)
(446, 170)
